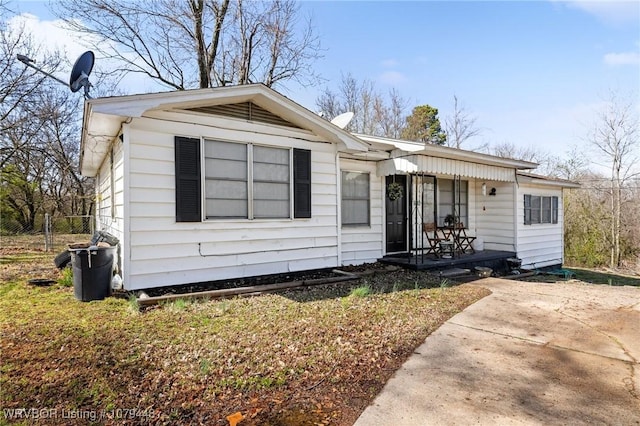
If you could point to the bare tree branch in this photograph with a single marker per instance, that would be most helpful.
(460, 126)
(616, 138)
(199, 43)
(373, 113)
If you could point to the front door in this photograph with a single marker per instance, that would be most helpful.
(396, 207)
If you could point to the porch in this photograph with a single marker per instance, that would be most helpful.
(494, 259)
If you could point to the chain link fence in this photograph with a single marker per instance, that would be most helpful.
(48, 233)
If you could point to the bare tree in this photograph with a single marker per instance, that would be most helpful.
(616, 139)
(373, 113)
(199, 43)
(390, 115)
(39, 137)
(548, 164)
(460, 126)
(573, 167)
(18, 84)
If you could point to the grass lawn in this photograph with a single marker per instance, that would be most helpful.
(309, 357)
(589, 276)
(602, 277)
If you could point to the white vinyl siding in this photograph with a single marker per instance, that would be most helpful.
(541, 243)
(363, 244)
(165, 252)
(494, 216)
(110, 192)
(110, 210)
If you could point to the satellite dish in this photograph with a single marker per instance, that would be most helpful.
(343, 119)
(80, 73)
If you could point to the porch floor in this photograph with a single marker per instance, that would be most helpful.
(493, 259)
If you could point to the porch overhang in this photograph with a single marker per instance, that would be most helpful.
(416, 163)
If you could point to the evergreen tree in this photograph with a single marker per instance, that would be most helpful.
(423, 125)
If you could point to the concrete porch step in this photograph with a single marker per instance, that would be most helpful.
(454, 272)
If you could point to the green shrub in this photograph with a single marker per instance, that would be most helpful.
(360, 291)
(66, 280)
(134, 306)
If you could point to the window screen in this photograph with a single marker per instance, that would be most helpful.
(226, 192)
(271, 182)
(247, 181)
(355, 199)
(453, 199)
(540, 209)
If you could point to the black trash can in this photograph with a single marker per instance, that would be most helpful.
(92, 272)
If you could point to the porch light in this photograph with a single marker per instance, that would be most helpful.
(484, 189)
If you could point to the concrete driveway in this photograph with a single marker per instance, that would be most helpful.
(530, 353)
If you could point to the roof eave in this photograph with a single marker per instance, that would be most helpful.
(546, 181)
(103, 117)
(449, 153)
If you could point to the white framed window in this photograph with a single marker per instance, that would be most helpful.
(271, 177)
(540, 209)
(226, 180)
(356, 200)
(453, 199)
(238, 180)
(246, 181)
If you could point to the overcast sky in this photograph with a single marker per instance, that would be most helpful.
(532, 72)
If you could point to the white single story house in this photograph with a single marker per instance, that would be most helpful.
(213, 184)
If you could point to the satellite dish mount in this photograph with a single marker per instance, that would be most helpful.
(343, 119)
(79, 74)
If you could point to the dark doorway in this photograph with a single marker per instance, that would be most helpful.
(396, 208)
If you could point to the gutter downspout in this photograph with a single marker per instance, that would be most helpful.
(515, 211)
(125, 241)
(338, 208)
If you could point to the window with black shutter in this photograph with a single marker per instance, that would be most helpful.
(188, 193)
(301, 183)
(241, 181)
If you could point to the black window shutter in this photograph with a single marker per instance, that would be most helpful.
(188, 194)
(527, 209)
(301, 183)
(554, 209)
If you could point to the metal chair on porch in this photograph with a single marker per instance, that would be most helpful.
(464, 241)
(433, 240)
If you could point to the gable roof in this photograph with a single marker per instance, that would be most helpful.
(103, 117)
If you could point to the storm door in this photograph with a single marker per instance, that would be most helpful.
(396, 213)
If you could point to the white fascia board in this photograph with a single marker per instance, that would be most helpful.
(98, 132)
(546, 181)
(369, 155)
(445, 152)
